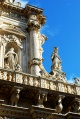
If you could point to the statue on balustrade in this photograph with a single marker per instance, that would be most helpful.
(11, 59)
(56, 62)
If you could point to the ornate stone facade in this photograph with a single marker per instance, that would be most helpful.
(27, 90)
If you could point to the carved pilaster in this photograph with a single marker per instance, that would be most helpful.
(34, 26)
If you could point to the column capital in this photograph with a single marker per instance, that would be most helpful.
(33, 23)
(35, 61)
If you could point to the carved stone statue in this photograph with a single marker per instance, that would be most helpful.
(15, 97)
(59, 107)
(41, 98)
(11, 59)
(56, 62)
(17, 4)
(77, 80)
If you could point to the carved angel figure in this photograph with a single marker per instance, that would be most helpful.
(56, 62)
(11, 59)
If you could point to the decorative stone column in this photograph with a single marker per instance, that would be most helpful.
(35, 61)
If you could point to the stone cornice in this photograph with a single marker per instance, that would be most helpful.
(36, 11)
(26, 12)
(13, 111)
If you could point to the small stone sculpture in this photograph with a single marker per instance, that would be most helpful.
(56, 62)
(77, 80)
(17, 4)
(11, 59)
(18, 68)
(15, 97)
(59, 107)
(41, 98)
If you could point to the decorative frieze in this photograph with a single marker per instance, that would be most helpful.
(13, 15)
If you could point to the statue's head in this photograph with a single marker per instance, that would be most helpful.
(11, 49)
(56, 49)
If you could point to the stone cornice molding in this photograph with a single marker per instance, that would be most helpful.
(13, 111)
(29, 10)
(11, 29)
(26, 12)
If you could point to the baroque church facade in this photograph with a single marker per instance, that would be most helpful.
(27, 90)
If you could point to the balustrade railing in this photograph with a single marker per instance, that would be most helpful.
(37, 81)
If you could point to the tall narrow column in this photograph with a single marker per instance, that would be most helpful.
(34, 26)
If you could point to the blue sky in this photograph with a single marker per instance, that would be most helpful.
(63, 30)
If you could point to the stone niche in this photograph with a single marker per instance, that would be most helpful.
(11, 52)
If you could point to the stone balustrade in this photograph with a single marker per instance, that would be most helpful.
(37, 81)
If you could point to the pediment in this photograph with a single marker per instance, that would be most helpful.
(13, 30)
(16, 31)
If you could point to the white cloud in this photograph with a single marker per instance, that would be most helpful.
(47, 30)
(43, 28)
(36, 3)
(23, 3)
(51, 33)
(71, 78)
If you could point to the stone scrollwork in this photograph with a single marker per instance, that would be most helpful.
(12, 38)
(43, 72)
(35, 61)
(13, 2)
(33, 22)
